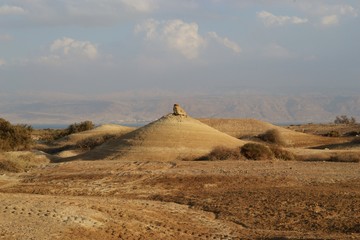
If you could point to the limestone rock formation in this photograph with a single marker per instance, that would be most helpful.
(179, 111)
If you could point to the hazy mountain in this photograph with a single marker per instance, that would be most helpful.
(144, 106)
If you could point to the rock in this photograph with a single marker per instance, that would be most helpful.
(179, 111)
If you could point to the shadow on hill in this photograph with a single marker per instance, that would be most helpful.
(339, 146)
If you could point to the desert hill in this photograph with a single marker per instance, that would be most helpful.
(241, 128)
(102, 130)
(168, 138)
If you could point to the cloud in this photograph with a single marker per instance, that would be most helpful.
(277, 51)
(330, 20)
(68, 49)
(226, 42)
(68, 46)
(176, 34)
(330, 14)
(11, 10)
(141, 5)
(270, 19)
(5, 38)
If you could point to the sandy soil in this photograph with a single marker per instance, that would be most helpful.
(182, 200)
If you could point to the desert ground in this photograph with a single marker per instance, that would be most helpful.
(148, 183)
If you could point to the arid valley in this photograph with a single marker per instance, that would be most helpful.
(155, 183)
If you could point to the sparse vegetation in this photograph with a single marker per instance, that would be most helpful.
(92, 142)
(14, 137)
(343, 119)
(20, 161)
(273, 136)
(332, 133)
(256, 151)
(48, 135)
(356, 140)
(223, 153)
(282, 154)
(345, 157)
(79, 127)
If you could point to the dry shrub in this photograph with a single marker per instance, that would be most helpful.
(273, 136)
(318, 157)
(10, 166)
(356, 140)
(222, 153)
(21, 161)
(14, 137)
(256, 151)
(345, 157)
(92, 142)
(332, 133)
(282, 154)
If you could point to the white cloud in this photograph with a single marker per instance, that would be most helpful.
(176, 34)
(140, 5)
(277, 51)
(226, 42)
(270, 19)
(68, 46)
(10, 10)
(330, 20)
(330, 14)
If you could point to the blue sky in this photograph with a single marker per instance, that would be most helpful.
(223, 46)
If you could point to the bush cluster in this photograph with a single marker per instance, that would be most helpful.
(332, 133)
(14, 137)
(256, 151)
(250, 151)
(92, 142)
(54, 134)
(343, 119)
(223, 153)
(79, 127)
(273, 136)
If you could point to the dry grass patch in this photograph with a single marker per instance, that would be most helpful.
(282, 154)
(92, 142)
(256, 151)
(21, 161)
(346, 157)
(223, 153)
(273, 136)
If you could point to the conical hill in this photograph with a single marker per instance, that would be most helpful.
(171, 137)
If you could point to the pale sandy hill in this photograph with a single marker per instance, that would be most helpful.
(102, 130)
(241, 128)
(168, 138)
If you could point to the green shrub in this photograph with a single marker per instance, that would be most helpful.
(14, 137)
(273, 136)
(256, 151)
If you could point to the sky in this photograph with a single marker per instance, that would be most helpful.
(200, 46)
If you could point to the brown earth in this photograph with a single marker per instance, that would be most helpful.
(182, 200)
(141, 197)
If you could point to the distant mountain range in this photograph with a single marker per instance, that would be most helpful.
(144, 107)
